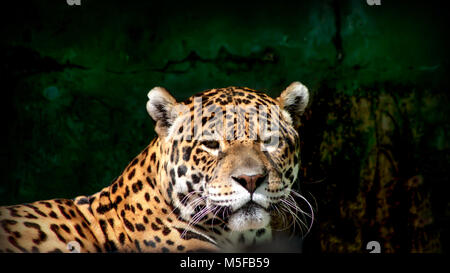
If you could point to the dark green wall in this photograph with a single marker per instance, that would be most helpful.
(375, 138)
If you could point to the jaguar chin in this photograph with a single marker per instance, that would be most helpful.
(249, 216)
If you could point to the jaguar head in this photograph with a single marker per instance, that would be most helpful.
(229, 154)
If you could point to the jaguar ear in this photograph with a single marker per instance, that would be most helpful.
(160, 107)
(294, 100)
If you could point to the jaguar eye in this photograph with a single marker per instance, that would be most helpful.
(211, 144)
(270, 141)
(267, 141)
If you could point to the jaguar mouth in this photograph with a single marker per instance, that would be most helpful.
(250, 207)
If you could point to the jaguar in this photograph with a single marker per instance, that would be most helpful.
(217, 177)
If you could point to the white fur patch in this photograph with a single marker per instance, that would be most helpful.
(239, 198)
(159, 97)
(214, 152)
(260, 197)
(295, 97)
(243, 220)
(286, 116)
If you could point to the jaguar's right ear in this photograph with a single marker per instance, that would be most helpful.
(160, 107)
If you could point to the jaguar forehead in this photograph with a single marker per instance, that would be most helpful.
(217, 115)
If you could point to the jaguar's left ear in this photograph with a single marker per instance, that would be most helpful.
(294, 100)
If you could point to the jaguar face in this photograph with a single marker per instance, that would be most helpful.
(248, 178)
(231, 154)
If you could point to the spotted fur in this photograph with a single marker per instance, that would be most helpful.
(191, 189)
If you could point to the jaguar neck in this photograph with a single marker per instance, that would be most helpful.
(132, 207)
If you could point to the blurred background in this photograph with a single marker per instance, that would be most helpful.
(375, 149)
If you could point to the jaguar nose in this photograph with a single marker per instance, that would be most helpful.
(250, 182)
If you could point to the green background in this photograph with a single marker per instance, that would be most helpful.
(375, 150)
